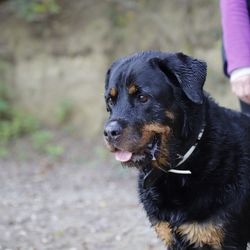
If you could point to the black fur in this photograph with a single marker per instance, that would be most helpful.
(218, 189)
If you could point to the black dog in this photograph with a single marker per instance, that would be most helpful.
(193, 156)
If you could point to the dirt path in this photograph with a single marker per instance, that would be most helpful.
(71, 206)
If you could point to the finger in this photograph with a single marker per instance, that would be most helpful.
(245, 99)
(245, 89)
(248, 99)
(238, 88)
(234, 87)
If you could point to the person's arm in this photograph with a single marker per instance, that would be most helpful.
(236, 39)
(236, 33)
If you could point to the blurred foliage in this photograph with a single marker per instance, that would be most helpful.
(122, 13)
(43, 141)
(64, 111)
(35, 10)
(121, 20)
(4, 152)
(13, 122)
(41, 138)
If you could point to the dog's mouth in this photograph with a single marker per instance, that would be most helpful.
(148, 153)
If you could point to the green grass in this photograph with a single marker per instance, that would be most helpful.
(35, 10)
(4, 152)
(13, 122)
(64, 111)
(43, 142)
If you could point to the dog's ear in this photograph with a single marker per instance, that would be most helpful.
(184, 72)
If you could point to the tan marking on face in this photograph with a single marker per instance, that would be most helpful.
(156, 128)
(163, 157)
(132, 89)
(113, 92)
(164, 232)
(202, 234)
(148, 132)
(170, 115)
(128, 142)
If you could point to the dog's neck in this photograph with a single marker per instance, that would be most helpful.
(183, 158)
(153, 174)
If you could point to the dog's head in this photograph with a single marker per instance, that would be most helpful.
(148, 96)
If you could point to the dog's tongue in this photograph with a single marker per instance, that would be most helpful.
(123, 156)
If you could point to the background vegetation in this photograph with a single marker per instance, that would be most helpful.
(54, 54)
(33, 10)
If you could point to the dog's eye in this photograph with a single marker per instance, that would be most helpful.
(143, 98)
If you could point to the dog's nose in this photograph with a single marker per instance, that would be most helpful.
(112, 130)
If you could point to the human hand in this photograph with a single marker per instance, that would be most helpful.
(241, 87)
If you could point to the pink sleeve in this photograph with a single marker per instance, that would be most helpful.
(236, 33)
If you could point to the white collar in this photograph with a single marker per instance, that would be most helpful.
(187, 155)
(153, 175)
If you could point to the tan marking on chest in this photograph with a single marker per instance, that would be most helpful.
(164, 232)
(202, 234)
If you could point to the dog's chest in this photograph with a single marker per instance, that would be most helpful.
(169, 207)
(195, 234)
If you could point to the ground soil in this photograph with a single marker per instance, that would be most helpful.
(79, 202)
